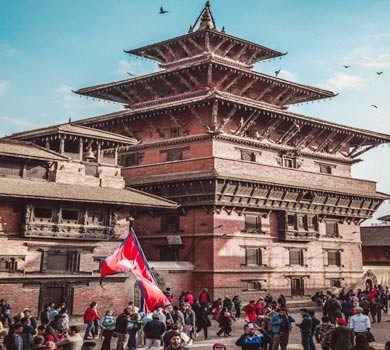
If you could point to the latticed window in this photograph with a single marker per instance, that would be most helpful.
(175, 132)
(10, 167)
(291, 221)
(252, 223)
(325, 169)
(43, 214)
(169, 253)
(170, 223)
(253, 256)
(331, 228)
(70, 216)
(296, 257)
(8, 264)
(334, 258)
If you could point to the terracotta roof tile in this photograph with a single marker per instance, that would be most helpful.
(374, 236)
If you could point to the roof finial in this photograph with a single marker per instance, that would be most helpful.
(206, 18)
(191, 29)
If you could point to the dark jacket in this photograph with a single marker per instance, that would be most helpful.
(121, 324)
(154, 329)
(306, 324)
(341, 338)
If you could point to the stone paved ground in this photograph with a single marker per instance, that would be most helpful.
(381, 332)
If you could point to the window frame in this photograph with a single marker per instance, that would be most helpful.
(301, 258)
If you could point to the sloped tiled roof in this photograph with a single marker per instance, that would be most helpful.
(19, 188)
(375, 236)
(384, 218)
(22, 149)
(77, 130)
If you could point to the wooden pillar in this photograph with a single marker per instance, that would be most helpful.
(81, 146)
(98, 155)
(62, 145)
(47, 145)
(116, 156)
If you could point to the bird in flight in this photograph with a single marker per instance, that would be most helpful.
(375, 106)
(162, 11)
(277, 72)
(131, 74)
(346, 67)
(379, 73)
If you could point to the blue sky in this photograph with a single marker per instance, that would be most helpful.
(49, 47)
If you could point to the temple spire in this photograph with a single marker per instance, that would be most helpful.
(206, 19)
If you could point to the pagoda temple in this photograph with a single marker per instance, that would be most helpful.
(267, 200)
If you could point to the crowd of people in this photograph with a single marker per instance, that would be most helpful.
(345, 323)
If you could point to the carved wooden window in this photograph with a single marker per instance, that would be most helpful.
(325, 169)
(253, 256)
(331, 229)
(60, 261)
(8, 264)
(170, 223)
(43, 214)
(248, 156)
(289, 162)
(252, 223)
(169, 253)
(334, 258)
(96, 218)
(70, 216)
(291, 221)
(253, 285)
(174, 155)
(132, 159)
(175, 132)
(296, 257)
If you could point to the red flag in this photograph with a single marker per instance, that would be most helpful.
(130, 257)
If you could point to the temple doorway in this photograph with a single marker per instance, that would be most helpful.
(297, 287)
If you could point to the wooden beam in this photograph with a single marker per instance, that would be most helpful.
(214, 115)
(354, 155)
(192, 41)
(216, 47)
(287, 98)
(272, 126)
(162, 54)
(244, 127)
(193, 79)
(232, 82)
(238, 55)
(325, 142)
(247, 87)
(322, 131)
(263, 93)
(223, 79)
(172, 52)
(279, 96)
(226, 51)
(209, 75)
(184, 82)
(199, 118)
(289, 130)
(342, 143)
(185, 48)
(227, 118)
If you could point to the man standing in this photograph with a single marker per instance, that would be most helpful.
(17, 342)
(121, 326)
(359, 322)
(175, 343)
(323, 333)
(153, 331)
(305, 327)
(281, 328)
(204, 298)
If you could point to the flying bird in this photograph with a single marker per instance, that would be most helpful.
(346, 67)
(277, 72)
(375, 106)
(379, 73)
(162, 11)
(131, 74)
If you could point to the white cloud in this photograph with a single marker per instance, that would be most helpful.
(15, 123)
(75, 104)
(4, 87)
(136, 67)
(343, 81)
(378, 62)
(7, 50)
(285, 74)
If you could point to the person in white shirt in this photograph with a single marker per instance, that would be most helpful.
(359, 322)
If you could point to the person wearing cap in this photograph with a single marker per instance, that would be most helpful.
(281, 328)
(306, 327)
(342, 337)
(176, 343)
(359, 322)
(219, 346)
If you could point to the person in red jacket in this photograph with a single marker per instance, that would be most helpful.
(90, 317)
(250, 310)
